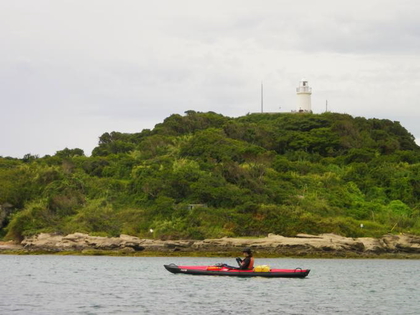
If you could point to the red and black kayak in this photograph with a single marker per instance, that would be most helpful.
(226, 271)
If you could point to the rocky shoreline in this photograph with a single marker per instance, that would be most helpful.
(304, 245)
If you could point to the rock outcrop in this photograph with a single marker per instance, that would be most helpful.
(80, 242)
(302, 244)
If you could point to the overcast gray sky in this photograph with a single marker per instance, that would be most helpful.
(71, 70)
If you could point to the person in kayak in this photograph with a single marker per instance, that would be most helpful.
(248, 262)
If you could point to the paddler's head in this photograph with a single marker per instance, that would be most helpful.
(247, 251)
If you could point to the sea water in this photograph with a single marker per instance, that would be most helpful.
(141, 285)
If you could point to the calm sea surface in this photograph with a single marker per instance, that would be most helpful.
(137, 285)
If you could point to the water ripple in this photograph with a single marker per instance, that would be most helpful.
(128, 285)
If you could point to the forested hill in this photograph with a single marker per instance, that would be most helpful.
(205, 175)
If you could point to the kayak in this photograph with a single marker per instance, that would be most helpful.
(226, 271)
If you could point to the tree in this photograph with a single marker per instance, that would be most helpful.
(69, 153)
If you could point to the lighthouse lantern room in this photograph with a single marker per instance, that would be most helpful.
(303, 97)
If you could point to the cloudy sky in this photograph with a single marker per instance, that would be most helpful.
(71, 70)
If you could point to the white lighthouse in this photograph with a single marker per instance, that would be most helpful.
(303, 97)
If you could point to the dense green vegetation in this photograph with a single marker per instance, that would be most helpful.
(205, 175)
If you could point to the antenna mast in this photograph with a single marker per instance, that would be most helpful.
(262, 97)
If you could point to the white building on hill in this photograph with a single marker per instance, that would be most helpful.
(303, 97)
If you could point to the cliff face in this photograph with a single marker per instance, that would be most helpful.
(300, 245)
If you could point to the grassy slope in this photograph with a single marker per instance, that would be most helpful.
(252, 175)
